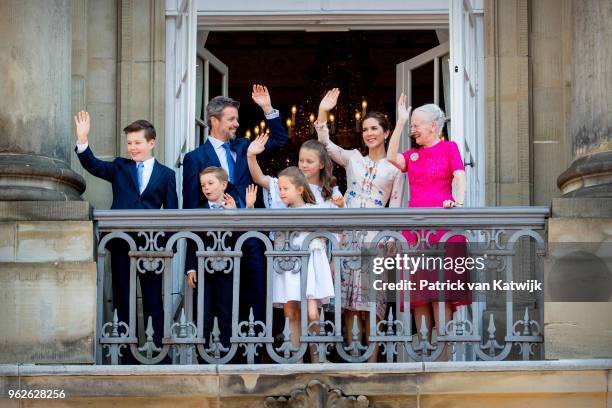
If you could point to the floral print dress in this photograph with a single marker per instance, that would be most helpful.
(369, 184)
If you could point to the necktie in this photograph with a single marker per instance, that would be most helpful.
(139, 170)
(231, 164)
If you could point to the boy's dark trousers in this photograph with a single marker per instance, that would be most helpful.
(217, 303)
(218, 293)
(253, 280)
(151, 291)
(218, 289)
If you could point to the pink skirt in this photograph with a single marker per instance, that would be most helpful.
(454, 247)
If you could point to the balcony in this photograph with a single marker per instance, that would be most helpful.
(497, 325)
(55, 340)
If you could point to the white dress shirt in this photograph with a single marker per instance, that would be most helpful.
(146, 171)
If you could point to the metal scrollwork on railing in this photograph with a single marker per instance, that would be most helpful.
(150, 264)
(182, 332)
(149, 347)
(529, 337)
(113, 340)
(491, 346)
(251, 339)
(355, 347)
(319, 337)
(393, 336)
(151, 240)
(219, 264)
(510, 241)
(219, 240)
(287, 348)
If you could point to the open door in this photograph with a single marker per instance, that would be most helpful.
(180, 85)
(460, 64)
(436, 59)
(467, 102)
(212, 78)
(467, 121)
(404, 74)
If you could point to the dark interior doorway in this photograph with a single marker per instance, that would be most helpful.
(298, 67)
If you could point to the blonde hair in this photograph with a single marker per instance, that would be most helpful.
(217, 172)
(297, 178)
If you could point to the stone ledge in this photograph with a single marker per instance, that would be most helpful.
(329, 368)
(45, 211)
(538, 383)
(582, 207)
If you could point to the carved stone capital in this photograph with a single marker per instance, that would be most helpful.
(317, 395)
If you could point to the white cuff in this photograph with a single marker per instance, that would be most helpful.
(82, 147)
(273, 115)
(191, 271)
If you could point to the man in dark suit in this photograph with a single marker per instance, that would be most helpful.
(223, 149)
(140, 182)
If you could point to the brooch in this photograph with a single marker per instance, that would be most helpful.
(414, 156)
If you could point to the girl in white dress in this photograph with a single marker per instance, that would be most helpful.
(314, 162)
(292, 190)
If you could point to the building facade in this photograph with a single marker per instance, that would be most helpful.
(525, 84)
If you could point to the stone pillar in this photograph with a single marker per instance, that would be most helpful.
(47, 268)
(578, 271)
(36, 138)
(590, 174)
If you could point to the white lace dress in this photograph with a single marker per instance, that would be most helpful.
(319, 283)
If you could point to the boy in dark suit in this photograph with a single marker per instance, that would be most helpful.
(140, 182)
(218, 286)
(223, 149)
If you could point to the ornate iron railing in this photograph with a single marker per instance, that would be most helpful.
(511, 239)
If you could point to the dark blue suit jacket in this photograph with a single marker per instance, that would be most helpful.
(205, 155)
(121, 173)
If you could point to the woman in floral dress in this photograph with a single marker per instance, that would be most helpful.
(372, 182)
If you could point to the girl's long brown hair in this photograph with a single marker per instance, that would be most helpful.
(328, 181)
(298, 179)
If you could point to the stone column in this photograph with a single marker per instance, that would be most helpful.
(590, 174)
(577, 275)
(36, 138)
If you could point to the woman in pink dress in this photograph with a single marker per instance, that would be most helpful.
(433, 167)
